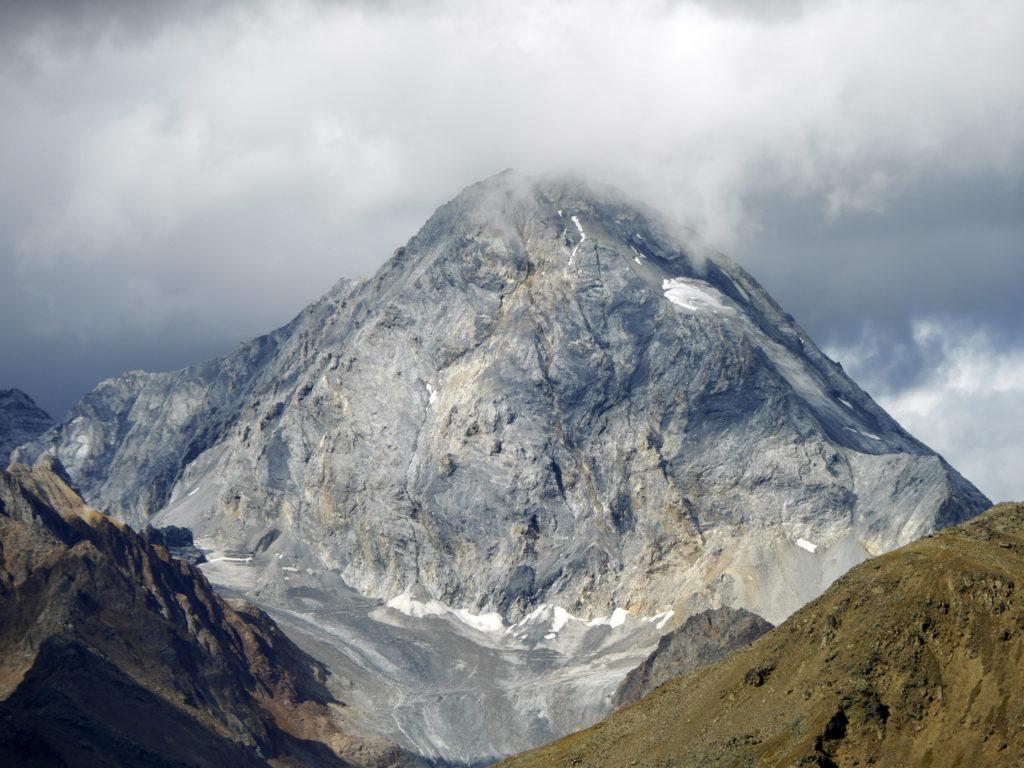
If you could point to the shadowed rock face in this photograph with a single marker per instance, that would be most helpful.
(703, 639)
(21, 420)
(548, 395)
(911, 659)
(114, 653)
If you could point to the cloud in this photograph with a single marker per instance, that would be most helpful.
(967, 401)
(180, 177)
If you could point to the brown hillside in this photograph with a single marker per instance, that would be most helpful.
(113, 653)
(915, 658)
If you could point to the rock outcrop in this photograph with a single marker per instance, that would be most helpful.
(114, 653)
(703, 639)
(21, 420)
(912, 658)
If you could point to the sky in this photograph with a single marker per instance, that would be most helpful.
(180, 177)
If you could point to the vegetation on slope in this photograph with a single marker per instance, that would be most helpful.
(913, 658)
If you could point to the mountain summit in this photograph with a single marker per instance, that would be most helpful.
(21, 420)
(550, 398)
(547, 395)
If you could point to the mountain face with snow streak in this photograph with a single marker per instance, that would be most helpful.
(548, 397)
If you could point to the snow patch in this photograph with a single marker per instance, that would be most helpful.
(583, 236)
(550, 636)
(190, 493)
(739, 289)
(805, 544)
(557, 618)
(560, 618)
(865, 434)
(419, 609)
(844, 401)
(431, 394)
(617, 619)
(693, 295)
(579, 228)
(554, 616)
(660, 619)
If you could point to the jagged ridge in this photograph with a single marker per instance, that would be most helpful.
(21, 420)
(113, 652)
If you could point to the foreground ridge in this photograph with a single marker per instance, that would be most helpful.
(913, 658)
(114, 653)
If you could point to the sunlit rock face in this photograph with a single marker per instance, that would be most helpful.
(548, 397)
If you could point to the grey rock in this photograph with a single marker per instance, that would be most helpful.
(21, 420)
(432, 679)
(549, 396)
(703, 639)
(176, 540)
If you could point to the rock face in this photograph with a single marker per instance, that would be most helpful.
(21, 420)
(114, 653)
(703, 639)
(548, 395)
(176, 540)
(549, 403)
(910, 659)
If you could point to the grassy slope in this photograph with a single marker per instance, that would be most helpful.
(911, 659)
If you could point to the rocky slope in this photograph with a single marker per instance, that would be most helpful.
(703, 639)
(21, 420)
(114, 653)
(550, 398)
(913, 658)
(548, 395)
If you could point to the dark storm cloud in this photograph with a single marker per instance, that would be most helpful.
(178, 177)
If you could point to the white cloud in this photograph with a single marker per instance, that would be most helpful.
(203, 175)
(969, 406)
(673, 100)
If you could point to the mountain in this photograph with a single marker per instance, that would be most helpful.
(21, 420)
(703, 639)
(552, 410)
(913, 658)
(114, 653)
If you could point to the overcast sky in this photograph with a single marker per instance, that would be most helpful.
(175, 181)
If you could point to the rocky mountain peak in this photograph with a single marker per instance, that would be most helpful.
(21, 420)
(546, 385)
(550, 401)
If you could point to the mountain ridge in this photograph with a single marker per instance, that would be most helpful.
(911, 658)
(104, 635)
(21, 420)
